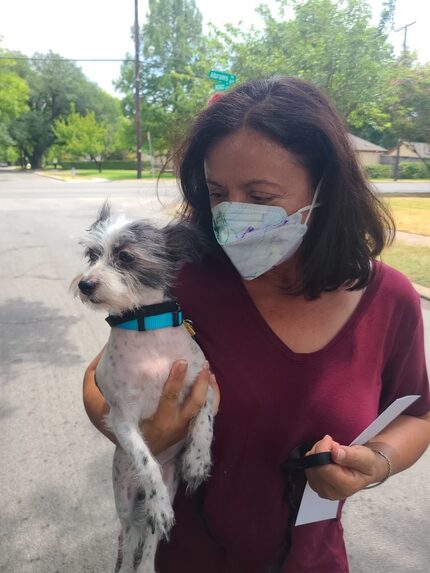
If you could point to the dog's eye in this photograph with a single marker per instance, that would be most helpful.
(125, 257)
(92, 255)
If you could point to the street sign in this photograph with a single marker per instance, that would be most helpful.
(222, 77)
(220, 87)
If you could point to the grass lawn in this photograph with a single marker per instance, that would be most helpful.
(411, 214)
(412, 261)
(118, 174)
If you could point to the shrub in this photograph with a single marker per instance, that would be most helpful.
(108, 164)
(414, 170)
(378, 171)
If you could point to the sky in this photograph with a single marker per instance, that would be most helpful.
(101, 28)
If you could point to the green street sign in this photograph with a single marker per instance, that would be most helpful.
(220, 87)
(222, 77)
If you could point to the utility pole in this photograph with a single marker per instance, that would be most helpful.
(396, 170)
(405, 28)
(137, 108)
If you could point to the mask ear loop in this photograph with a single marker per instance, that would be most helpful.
(313, 204)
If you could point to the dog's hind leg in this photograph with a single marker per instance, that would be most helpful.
(158, 512)
(196, 459)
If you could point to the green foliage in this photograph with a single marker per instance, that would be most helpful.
(174, 83)
(82, 135)
(123, 165)
(54, 84)
(414, 170)
(14, 92)
(378, 171)
(410, 107)
(331, 44)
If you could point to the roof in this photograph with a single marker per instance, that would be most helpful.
(363, 145)
(418, 148)
(421, 149)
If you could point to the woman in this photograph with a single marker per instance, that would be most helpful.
(309, 336)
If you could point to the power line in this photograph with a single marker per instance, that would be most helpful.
(36, 59)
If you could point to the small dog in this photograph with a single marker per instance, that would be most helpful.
(132, 265)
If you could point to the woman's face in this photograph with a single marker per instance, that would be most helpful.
(248, 167)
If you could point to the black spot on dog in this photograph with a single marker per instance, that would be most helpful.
(152, 494)
(151, 524)
(144, 460)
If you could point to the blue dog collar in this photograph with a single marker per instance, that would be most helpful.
(151, 317)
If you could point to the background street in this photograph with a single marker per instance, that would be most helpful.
(57, 512)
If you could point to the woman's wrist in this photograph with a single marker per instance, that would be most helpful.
(383, 467)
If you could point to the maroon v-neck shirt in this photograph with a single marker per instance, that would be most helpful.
(272, 400)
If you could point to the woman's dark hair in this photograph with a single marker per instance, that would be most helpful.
(349, 229)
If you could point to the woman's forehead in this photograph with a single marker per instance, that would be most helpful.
(251, 153)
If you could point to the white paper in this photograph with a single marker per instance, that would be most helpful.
(312, 507)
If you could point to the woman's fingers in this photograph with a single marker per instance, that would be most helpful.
(217, 394)
(198, 394)
(172, 388)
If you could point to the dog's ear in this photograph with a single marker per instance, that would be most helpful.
(103, 214)
(184, 242)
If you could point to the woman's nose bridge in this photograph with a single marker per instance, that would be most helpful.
(237, 195)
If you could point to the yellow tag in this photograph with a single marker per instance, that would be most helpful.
(189, 326)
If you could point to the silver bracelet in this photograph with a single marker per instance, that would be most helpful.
(389, 469)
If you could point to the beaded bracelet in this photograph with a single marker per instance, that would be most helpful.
(389, 469)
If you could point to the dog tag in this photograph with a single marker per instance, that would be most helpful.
(189, 326)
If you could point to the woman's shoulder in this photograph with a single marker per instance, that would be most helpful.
(395, 289)
(196, 278)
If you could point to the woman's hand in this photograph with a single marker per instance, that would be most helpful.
(355, 468)
(170, 423)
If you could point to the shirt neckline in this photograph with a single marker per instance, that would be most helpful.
(272, 338)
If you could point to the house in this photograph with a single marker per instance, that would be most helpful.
(409, 151)
(368, 153)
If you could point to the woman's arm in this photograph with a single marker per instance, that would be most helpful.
(95, 404)
(170, 423)
(403, 441)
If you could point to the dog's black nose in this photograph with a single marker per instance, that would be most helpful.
(86, 287)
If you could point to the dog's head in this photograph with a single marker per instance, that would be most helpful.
(132, 263)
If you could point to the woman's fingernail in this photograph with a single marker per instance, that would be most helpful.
(205, 365)
(182, 365)
(213, 379)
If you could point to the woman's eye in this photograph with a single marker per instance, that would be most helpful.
(125, 257)
(216, 195)
(261, 198)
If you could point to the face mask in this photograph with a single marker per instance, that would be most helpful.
(257, 238)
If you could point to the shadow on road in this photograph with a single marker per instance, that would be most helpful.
(30, 332)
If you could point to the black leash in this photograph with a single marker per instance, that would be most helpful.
(293, 468)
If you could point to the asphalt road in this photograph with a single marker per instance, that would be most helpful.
(56, 508)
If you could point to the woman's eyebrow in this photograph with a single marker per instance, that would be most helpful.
(210, 182)
(262, 181)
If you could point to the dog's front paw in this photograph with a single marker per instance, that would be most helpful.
(159, 512)
(195, 467)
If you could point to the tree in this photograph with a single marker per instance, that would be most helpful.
(82, 136)
(330, 43)
(14, 93)
(174, 83)
(55, 84)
